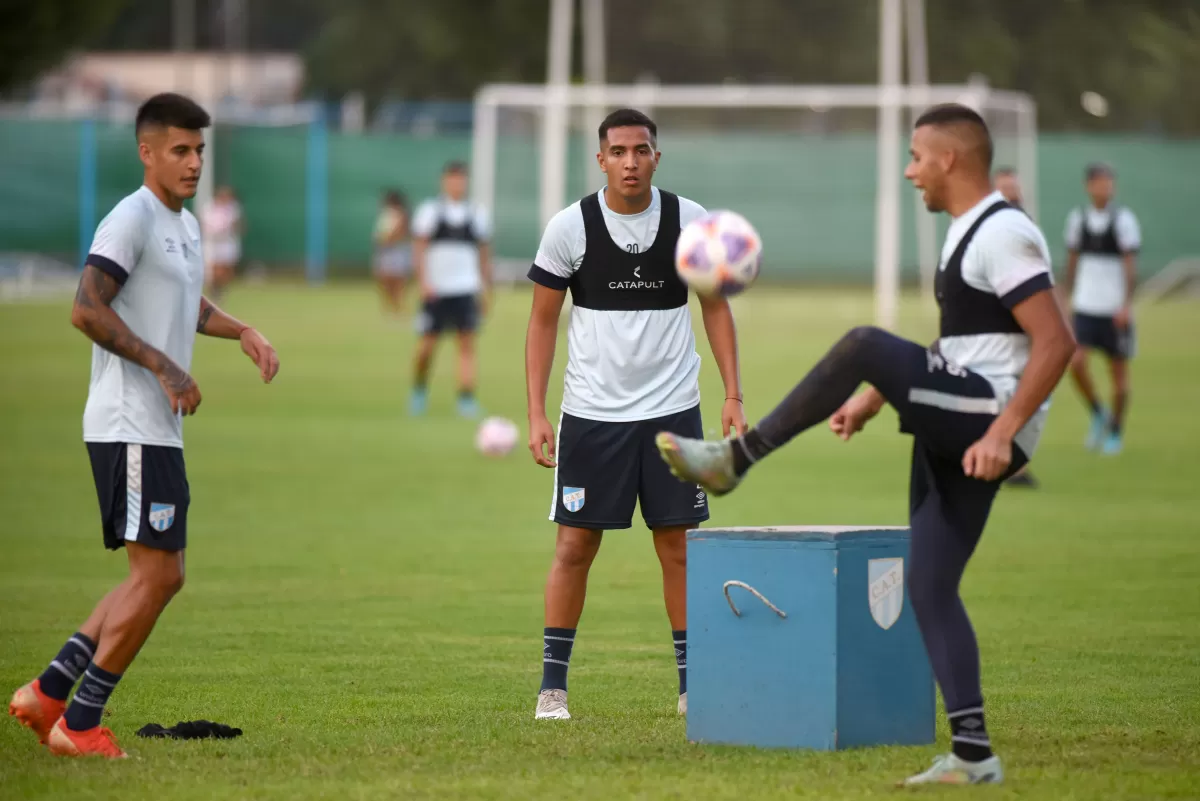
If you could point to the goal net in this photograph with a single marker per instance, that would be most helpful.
(802, 163)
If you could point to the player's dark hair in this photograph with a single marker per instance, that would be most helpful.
(394, 197)
(949, 115)
(628, 118)
(171, 110)
(1098, 170)
(455, 168)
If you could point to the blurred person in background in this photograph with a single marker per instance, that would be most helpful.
(452, 259)
(222, 224)
(1102, 240)
(393, 251)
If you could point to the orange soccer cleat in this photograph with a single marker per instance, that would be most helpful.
(35, 710)
(96, 741)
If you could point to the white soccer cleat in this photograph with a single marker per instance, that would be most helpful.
(950, 769)
(552, 705)
(682, 708)
(708, 463)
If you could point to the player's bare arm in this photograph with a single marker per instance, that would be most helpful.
(93, 315)
(1129, 266)
(1051, 345)
(722, 338)
(213, 322)
(1071, 271)
(420, 247)
(540, 339)
(485, 275)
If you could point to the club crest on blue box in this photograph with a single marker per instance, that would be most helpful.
(573, 498)
(799, 637)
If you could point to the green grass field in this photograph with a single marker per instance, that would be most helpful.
(364, 591)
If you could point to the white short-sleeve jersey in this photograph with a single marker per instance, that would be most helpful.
(1009, 258)
(621, 365)
(1100, 277)
(154, 253)
(455, 231)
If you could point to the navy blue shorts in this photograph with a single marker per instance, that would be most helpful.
(143, 492)
(605, 469)
(450, 313)
(1102, 334)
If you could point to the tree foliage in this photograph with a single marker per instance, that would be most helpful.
(35, 35)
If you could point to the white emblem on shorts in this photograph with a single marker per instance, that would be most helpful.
(162, 515)
(573, 498)
(885, 590)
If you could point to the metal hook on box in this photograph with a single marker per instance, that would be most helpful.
(757, 594)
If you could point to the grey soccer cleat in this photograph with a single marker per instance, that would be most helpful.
(950, 769)
(682, 707)
(709, 463)
(552, 705)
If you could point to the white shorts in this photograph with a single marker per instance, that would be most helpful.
(394, 262)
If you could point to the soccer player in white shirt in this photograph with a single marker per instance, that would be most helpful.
(1102, 246)
(975, 402)
(140, 302)
(452, 257)
(632, 369)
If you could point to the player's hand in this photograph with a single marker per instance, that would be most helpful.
(541, 441)
(733, 416)
(854, 414)
(989, 458)
(256, 346)
(1122, 317)
(181, 390)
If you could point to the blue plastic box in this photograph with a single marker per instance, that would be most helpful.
(799, 637)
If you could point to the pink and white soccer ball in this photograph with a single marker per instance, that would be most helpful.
(718, 254)
(496, 436)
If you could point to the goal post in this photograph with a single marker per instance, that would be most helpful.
(802, 162)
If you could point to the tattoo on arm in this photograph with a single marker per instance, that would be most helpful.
(206, 311)
(93, 316)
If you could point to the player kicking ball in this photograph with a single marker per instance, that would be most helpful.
(975, 402)
(140, 302)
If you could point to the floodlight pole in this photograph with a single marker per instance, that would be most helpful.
(554, 120)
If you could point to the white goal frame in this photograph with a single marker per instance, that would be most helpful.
(554, 101)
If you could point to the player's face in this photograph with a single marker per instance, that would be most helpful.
(1100, 190)
(927, 168)
(627, 156)
(174, 158)
(454, 185)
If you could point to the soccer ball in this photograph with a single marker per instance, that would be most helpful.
(718, 254)
(496, 436)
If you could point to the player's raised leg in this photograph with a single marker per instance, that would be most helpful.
(566, 588)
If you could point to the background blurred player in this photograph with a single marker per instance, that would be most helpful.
(140, 302)
(393, 251)
(223, 228)
(632, 369)
(1102, 245)
(454, 270)
(975, 403)
(1009, 185)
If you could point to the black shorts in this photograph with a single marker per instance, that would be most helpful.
(1102, 334)
(947, 409)
(450, 313)
(605, 468)
(143, 493)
